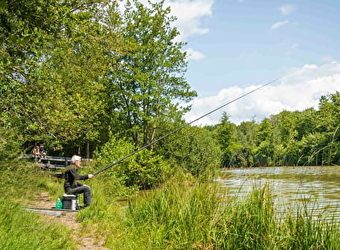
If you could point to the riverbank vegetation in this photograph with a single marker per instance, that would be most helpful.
(180, 214)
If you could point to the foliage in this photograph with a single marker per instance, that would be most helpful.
(192, 149)
(64, 93)
(74, 72)
(225, 133)
(145, 88)
(306, 137)
(194, 215)
(48, 81)
(143, 170)
(10, 142)
(147, 171)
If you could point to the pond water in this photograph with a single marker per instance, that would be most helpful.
(318, 188)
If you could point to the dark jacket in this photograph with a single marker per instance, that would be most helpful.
(71, 176)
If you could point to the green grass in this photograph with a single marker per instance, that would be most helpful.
(21, 229)
(196, 216)
(182, 214)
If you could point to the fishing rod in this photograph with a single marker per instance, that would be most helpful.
(185, 125)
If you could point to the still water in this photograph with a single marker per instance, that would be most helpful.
(317, 188)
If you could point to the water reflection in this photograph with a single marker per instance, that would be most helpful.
(318, 188)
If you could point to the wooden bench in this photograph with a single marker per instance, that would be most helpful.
(51, 162)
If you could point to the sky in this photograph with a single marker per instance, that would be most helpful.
(236, 46)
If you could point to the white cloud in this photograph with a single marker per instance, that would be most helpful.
(279, 24)
(190, 14)
(194, 55)
(299, 89)
(287, 9)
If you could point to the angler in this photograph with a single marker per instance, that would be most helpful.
(71, 186)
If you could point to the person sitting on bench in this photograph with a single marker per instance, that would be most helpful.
(71, 186)
(35, 150)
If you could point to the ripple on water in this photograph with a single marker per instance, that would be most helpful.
(316, 188)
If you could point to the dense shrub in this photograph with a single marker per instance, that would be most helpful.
(144, 169)
(194, 150)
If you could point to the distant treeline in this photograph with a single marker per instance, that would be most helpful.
(309, 137)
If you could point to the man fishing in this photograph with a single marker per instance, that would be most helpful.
(71, 186)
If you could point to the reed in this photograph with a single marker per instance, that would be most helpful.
(176, 216)
(197, 216)
(182, 214)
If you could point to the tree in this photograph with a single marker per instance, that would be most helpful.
(264, 150)
(246, 137)
(328, 126)
(306, 122)
(193, 149)
(51, 82)
(225, 133)
(145, 89)
(66, 92)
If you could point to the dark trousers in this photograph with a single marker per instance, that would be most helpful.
(82, 190)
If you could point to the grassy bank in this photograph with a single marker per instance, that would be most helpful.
(24, 230)
(20, 229)
(181, 214)
(194, 215)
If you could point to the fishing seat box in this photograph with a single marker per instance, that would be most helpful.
(70, 201)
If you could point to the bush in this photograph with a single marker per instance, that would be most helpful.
(194, 150)
(144, 169)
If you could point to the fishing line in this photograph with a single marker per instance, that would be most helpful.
(185, 125)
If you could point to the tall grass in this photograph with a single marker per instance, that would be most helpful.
(177, 216)
(249, 222)
(197, 216)
(304, 230)
(181, 214)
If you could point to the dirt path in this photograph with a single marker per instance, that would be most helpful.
(83, 242)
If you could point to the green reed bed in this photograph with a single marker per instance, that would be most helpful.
(307, 230)
(197, 216)
(178, 215)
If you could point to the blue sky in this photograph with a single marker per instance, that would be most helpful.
(238, 45)
(243, 45)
